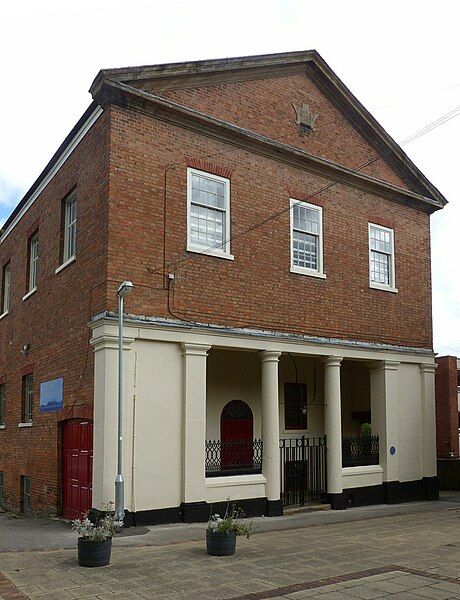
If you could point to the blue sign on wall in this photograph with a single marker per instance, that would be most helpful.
(51, 395)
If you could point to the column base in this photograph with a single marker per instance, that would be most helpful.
(338, 501)
(274, 508)
(194, 512)
(431, 488)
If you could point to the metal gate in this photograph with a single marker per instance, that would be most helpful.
(303, 470)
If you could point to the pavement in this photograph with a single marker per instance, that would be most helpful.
(406, 552)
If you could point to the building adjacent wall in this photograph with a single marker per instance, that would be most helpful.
(447, 407)
(53, 320)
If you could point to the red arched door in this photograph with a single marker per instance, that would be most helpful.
(236, 436)
(77, 467)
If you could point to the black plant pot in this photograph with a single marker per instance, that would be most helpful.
(220, 543)
(94, 554)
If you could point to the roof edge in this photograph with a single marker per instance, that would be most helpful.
(201, 66)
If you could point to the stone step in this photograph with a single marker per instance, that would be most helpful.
(306, 508)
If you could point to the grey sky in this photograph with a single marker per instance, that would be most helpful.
(401, 59)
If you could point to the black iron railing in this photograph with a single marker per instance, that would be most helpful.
(360, 451)
(233, 457)
(303, 470)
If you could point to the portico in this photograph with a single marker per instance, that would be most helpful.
(189, 387)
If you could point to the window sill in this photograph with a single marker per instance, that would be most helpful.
(24, 425)
(2, 426)
(309, 272)
(32, 291)
(383, 288)
(69, 261)
(296, 431)
(3, 315)
(215, 253)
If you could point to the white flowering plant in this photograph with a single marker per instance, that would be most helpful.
(103, 529)
(229, 522)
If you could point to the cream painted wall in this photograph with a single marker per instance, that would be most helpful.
(409, 422)
(233, 375)
(355, 391)
(158, 429)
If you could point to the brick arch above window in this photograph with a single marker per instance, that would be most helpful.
(203, 165)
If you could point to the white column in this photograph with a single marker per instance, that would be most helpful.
(427, 371)
(270, 423)
(384, 412)
(105, 345)
(194, 420)
(333, 423)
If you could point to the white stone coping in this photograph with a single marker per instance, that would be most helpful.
(362, 470)
(234, 480)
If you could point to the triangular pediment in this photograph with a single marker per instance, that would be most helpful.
(293, 98)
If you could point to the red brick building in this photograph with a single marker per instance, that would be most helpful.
(267, 222)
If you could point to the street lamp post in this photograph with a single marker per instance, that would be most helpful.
(124, 289)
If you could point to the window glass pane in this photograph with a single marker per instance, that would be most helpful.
(33, 262)
(70, 228)
(380, 267)
(380, 240)
(6, 288)
(28, 398)
(295, 406)
(306, 219)
(207, 191)
(305, 250)
(206, 227)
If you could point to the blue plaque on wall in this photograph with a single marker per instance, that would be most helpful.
(51, 395)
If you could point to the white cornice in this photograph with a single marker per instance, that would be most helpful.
(55, 168)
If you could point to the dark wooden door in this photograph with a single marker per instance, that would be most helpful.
(77, 467)
(236, 436)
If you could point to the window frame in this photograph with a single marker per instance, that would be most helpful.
(27, 399)
(391, 287)
(2, 404)
(191, 247)
(67, 255)
(6, 288)
(33, 263)
(319, 272)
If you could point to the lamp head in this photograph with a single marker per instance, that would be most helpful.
(125, 288)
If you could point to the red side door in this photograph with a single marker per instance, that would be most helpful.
(77, 467)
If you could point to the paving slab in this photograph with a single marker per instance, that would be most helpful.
(385, 555)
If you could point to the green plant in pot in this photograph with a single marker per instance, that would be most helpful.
(221, 532)
(95, 539)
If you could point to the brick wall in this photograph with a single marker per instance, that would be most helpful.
(53, 320)
(257, 288)
(265, 106)
(446, 407)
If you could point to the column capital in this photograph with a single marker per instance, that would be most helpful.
(332, 361)
(269, 355)
(106, 341)
(384, 365)
(427, 367)
(195, 349)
